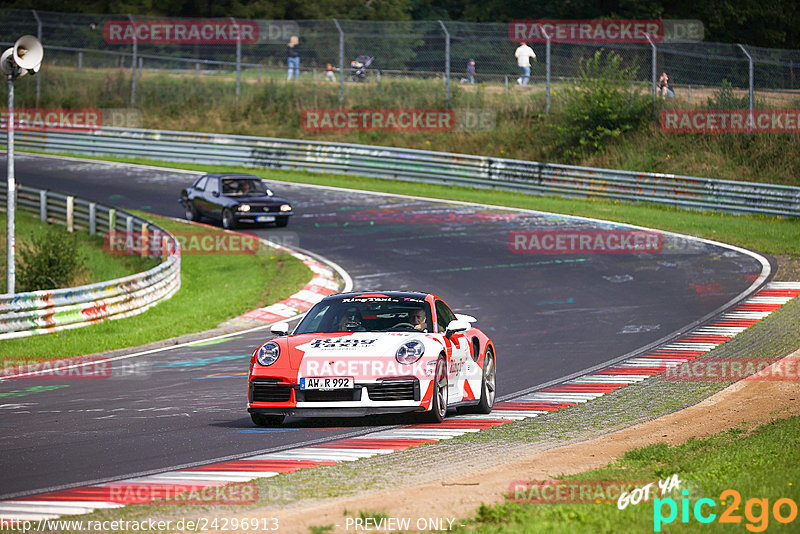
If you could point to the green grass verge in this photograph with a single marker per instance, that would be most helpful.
(98, 266)
(771, 235)
(214, 288)
(751, 461)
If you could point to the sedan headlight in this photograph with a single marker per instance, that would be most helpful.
(286, 207)
(268, 354)
(410, 352)
(244, 207)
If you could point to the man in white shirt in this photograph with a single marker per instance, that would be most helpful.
(524, 54)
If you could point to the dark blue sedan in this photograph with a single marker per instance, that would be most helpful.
(234, 199)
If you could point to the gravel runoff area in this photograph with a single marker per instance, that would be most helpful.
(450, 462)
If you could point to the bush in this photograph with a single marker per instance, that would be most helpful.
(51, 260)
(725, 98)
(604, 103)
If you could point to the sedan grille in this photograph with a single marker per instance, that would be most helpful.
(394, 390)
(269, 391)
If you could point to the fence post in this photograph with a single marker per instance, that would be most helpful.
(43, 206)
(750, 82)
(446, 63)
(547, 70)
(112, 220)
(129, 225)
(341, 62)
(92, 218)
(80, 61)
(506, 83)
(70, 214)
(654, 74)
(141, 68)
(38, 36)
(133, 62)
(238, 58)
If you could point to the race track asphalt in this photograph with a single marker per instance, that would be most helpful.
(550, 315)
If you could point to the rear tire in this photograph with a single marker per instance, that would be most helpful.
(228, 221)
(488, 384)
(438, 409)
(259, 419)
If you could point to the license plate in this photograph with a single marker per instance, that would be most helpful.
(327, 383)
(265, 218)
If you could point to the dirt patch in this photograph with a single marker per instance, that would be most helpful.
(745, 402)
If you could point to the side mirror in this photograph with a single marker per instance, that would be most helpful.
(457, 325)
(467, 318)
(280, 329)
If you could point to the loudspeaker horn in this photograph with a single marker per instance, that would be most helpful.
(28, 52)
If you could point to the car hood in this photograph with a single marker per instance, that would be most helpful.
(258, 199)
(364, 355)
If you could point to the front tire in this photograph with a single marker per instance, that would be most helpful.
(259, 419)
(228, 221)
(438, 409)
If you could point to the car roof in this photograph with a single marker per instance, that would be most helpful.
(230, 175)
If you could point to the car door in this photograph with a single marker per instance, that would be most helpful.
(212, 198)
(458, 348)
(195, 194)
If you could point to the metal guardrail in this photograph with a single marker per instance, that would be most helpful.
(424, 166)
(41, 312)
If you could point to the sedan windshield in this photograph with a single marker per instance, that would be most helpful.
(243, 186)
(367, 314)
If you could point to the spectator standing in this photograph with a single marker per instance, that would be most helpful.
(293, 58)
(329, 75)
(524, 54)
(471, 71)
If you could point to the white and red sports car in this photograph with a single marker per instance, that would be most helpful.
(357, 354)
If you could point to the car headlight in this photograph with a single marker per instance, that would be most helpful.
(410, 352)
(268, 354)
(244, 207)
(286, 207)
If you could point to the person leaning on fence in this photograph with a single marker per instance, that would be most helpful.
(524, 54)
(293, 58)
(663, 85)
(329, 75)
(471, 71)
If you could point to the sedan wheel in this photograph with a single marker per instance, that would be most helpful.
(228, 222)
(190, 211)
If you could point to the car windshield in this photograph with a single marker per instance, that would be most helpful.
(367, 314)
(243, 186)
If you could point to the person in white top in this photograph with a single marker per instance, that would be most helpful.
(524, 54)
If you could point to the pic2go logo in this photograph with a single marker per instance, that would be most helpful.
(756, 511)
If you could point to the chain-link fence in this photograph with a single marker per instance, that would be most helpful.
(252, 52)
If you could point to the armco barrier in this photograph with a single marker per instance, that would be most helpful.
(40, 312)
(424, 166)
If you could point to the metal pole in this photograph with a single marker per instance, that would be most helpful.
(750, 60)
(238, 58)
(547, 71)
(133, 63)
(341, 62)
(654, 74)
(446, 63)
(38, 36)
(12, 187)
